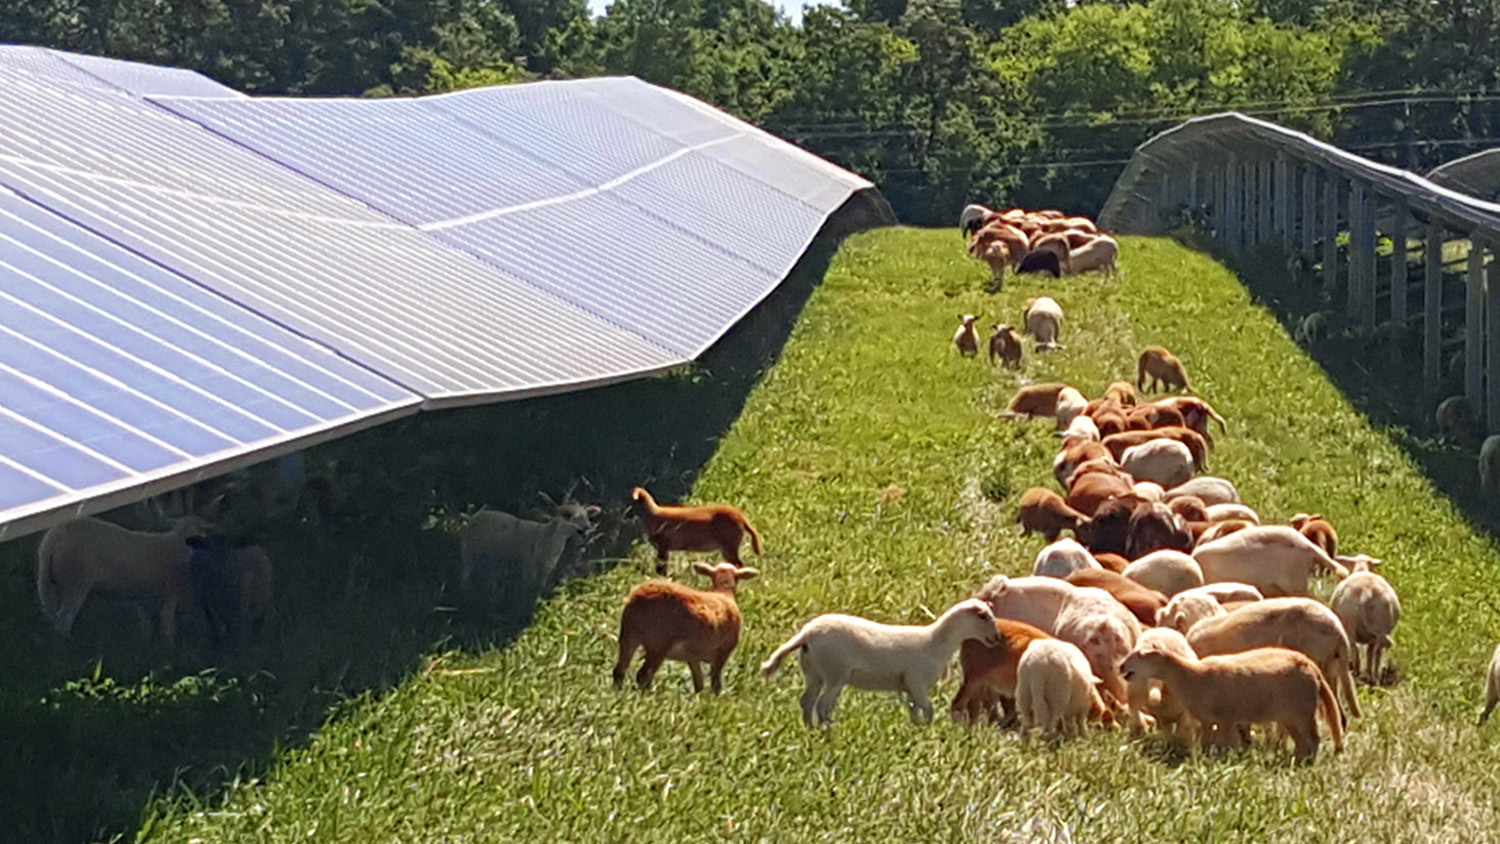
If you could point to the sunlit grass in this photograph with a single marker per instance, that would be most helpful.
(868, 458)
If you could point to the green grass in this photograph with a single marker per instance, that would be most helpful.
(868, 457)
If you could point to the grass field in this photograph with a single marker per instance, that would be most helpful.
(872, 461)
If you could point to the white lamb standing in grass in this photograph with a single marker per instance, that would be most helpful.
(1491, 687)
(496, 546)
(1369, 608)
(84, 555)
(844, 650)
(1056, 691)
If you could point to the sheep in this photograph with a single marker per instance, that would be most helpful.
(971, 218)
(1491, 687)
(1043, 242)
(1109, 416)
(1319, 530)
(1122, 392)
(1228, 693)
(1224, 512)
(1082, 427)
(1076, 451)
(1168, 571)
(76, 558)
(1098, 254)
(966, 338)
(1228, 592)
(1275, 559)
(714, 527)
(1489, 465)
(989, 672)
(844, 650)
(1035, 400)
(1154, 527)
(1219, 530)
(1167, 462)
(501, 547)
(1166, 371)
(1147, 417)
(1043, 511)
(1148, 491)
(1208, 488)
(1187, 608)
(1143, 603)
(1045, 261)
(1456, 421)
(1301, 624)
(672, 621)
(1070, 404)
(231, 586)
(1055, 689)
(1196, 445)
(1109, 530)
(1148, 696)
(1062, 558)
(1189, 507)
(994, 251)
(1195, 413)
(1368, 606)
(1111, 562)
(1087, 492)
(1005, 345)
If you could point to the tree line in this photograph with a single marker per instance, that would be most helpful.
(940, 102)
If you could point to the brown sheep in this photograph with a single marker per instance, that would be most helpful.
(1109, 531)
(1122, 392)
(1044, 511)
(1088, 491)
(1147, 417)
(1154, 527)
(1319, 530)
(1190, 507)
(1108, 415)
(1166, 371)
(1035, 400)
(1112, 562)
(1219, 530)
(1195, 413)
(1005, 345)
(966, 338)
(989, 672)
(1075, 452)
(672, 621)
(714, 527)
(1144, 603)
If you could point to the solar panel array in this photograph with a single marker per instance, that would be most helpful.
(196, 279)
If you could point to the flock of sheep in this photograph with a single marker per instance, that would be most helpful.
(1173, 607)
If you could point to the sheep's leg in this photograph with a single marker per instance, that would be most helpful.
(809, 702)
(68, 609)
(716, 672)
(661, 554)
(828, 700)
(627, 653)
(648, 669)
(696, 669)
(1304, 736)
(918, 703)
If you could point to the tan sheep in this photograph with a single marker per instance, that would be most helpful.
(1186, 609)
(1148, 696)
(1044, 511)
(1043, 320)
(1275, 559)
(1055, 690)
(1005, 345)
(1368, 606)
(1035, 400)
(1168, 571)
(1319, 530)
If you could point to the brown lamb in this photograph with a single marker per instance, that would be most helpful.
(989, 673)
(712, 527)
(672, 621)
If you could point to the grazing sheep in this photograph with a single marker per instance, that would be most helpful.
(1070, 404)
(1098, 254)
(966, 338)
(503, 548)
(1062, 558)
(1166, 462)
(1035, 400)
(1044, 511)
(1275, 559)
(972, 218)
(1167, 571)
(1226, 694)
(1055, 690)
(1005, 345)
(1301, 624)
(1219, 530)
(84, 555)
(231, 586)
(1148, 696)
(1154, 527)
(1319, 530)
(715, 527)
(1209, 489)
(1225, 512)
(844, 650)
(1122, 392)
(1368, 606)
(1082, 427)
(1143, 603)
(1189, 507)
(1109, 416)
(1456, 421)
(672, 621)
(1109, 530)
(1111, 562)
(989, 672)
(1489, 465)
(1043, 319)
(1228, 592)
(1187, 608)
(1491, 687)
(1149, 491)
(1195, 413)
(1148, 417)
(1166, 371)
(992, 248)
(1076, 451)
(1087, 492)
(1045, 261)
(1196, 445)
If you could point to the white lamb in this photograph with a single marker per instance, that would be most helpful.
(1168, 571)
(1081, 428)
(81, 556)
(1188, 608)
(1224, 512)
(496, 547)
(1368, 606)
(1070, 405)
(1043, 318)
(1055, 689)
(1163, 461)
(1062, 558)
(845, 650)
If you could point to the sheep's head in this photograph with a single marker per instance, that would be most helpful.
(970, 218)
(1145, 663)
(1301, 519)
(726, 575)
(1360, 562)
(191, 525)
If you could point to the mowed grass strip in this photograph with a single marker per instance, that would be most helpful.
(864, 457)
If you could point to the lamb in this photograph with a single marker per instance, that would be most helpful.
(1087, 492)
(1275, 559)
(1045, 261)
(1166, 371)
(1196, 445)
(1187, 608)
(1043, 317)
(989, 672)
(1070, 404)
(844, 650)
(1195, 413)
(1168, 571)
(1227, 694)
(1055, 690)
(1301, 624)
(1491, 687)
(1109, 530)
(972, 218)
(672, 621)
(1043, 511)
(1062, 558)
(1109, 416)
(1489, 465)
(1189, 507)
(1143, 603)
(1098, 254)
(966, 338)
(1154, 527)
(1456, 421)
(501, 547)
(1147, 417)
(1368, 606)
(1148, 696)
(1208, 488)
(1076, 451)
(1224, 512)
(1164, 461)
(1122, 392)
(1148, 491)
(1319, 530)
(1005, 345)
(232, 587)
(715, 527)
(76, 558)
(1081, 428)
(1219, 530)
(1035, 400)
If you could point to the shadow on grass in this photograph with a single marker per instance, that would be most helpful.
(1380, 373)
(92, 727)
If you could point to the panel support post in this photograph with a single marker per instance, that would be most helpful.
(1399, 254)
(1492, 352)
(1330, 232)
(1432, 314)
(1309, 211)
(1474, 324)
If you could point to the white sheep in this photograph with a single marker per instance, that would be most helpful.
(1081, 428)
(1149, 491)
(1055, 689)
(844, 650)
(1275, 559)
(1491, 686)
(1368, 606)
(1209, 489)
(1043, 318)
(1188, 608)
(1224, 512)
(1070, 405)
(1162, 461)
(500, 547)
(1062, 558)
(1168, 571)
(1098, 254)
(83, 555)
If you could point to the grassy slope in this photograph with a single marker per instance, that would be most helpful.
(532, 744)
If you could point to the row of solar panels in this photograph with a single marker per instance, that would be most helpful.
(196, 279)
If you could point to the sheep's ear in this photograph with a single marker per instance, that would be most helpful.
(746, 573)
(703, 568)
(592, 510)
